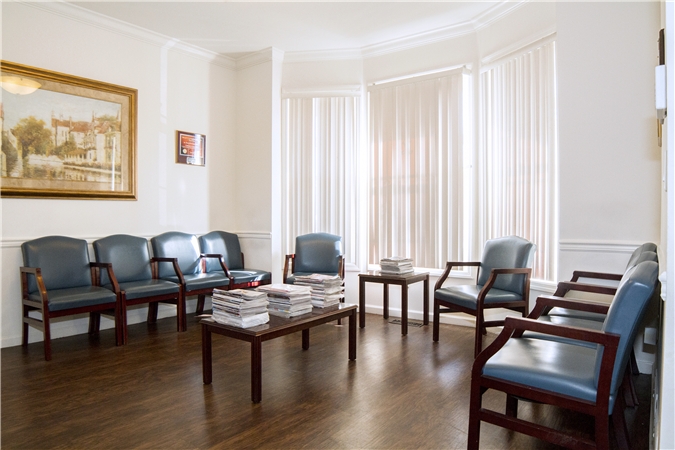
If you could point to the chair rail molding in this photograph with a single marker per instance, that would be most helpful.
(580, 245)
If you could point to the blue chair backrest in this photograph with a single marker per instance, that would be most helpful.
(129, 256)
(509, 252)
(174, 244)
(221, 243)
(645, 252)
(64, 262)
(625, 314)
(317, 253)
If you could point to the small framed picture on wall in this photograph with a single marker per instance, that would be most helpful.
(190, 148)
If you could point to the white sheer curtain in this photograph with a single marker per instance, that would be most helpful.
(519, 145)
(320, 138)
(416, 143)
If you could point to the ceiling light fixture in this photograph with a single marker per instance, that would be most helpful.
(18, 85)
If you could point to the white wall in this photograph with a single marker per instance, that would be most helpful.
(176, 91)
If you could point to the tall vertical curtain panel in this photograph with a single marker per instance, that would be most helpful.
(320, 139)
(518, 151)
(416, 174)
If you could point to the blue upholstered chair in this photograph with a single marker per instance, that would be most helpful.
(134, 278)
(225, 256)
(645, 252)
(315, 253)
(179, 253)
(581, 378)
(58, 279)
(503, 281)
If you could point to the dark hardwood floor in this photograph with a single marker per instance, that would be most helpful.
(400, 393)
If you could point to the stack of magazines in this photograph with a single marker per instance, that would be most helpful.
(240, 308)
(287, 300)
(396, 265)
(327, 290)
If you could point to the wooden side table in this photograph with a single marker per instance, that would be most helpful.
(398, 280)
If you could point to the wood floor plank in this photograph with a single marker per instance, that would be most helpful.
(400, 393)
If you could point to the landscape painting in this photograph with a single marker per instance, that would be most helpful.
(65, 136)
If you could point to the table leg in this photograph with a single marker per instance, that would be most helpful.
(362, 303)
(256, 370)
(385, 301)
(206, 355)
(404, 309)
(305, 339)
(352, 336)
(425, 314)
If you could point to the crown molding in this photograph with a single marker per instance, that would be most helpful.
(262, 56)
(324, 55)
(94, 19)
(486, 18)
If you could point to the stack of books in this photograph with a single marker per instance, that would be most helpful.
(396, 265)
(287, 300)
(327, 290)
(240, 308)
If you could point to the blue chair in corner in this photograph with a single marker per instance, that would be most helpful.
(315, 253)
(58, 279)
(222, 254)
(503, 281)
(136, 277)
(557, 371)
(180, 261)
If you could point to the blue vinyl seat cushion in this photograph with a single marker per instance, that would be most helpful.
(467, 295)
(250, 275)
(147, 288)
(77, 297)
(554, 366)
(201, 280)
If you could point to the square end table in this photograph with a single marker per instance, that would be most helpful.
(400, 280)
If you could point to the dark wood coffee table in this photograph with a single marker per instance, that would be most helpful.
(400, 280)
(276, 327)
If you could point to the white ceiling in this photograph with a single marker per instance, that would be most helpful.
(235, 28)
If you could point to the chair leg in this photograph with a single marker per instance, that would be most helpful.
(46, 330)
(628, 389)
(200, 304)
(619, 422)
(121, 323)
(94, 322)
(474, 419)
(24, 336)
(153, 308)
(511, 406)
(602, 432)
(181, 312)
(437, 318)
(478, 346)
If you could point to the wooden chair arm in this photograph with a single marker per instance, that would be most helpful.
(221, 260)
(37, 273)
(573, 303)
(494, 273)
(596, 275)
(565, 286)
(176, 268)
(448, 267)
(288, 258)
(96, 275)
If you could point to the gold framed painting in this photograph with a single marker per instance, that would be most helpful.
(66, 137)
(190, 148)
